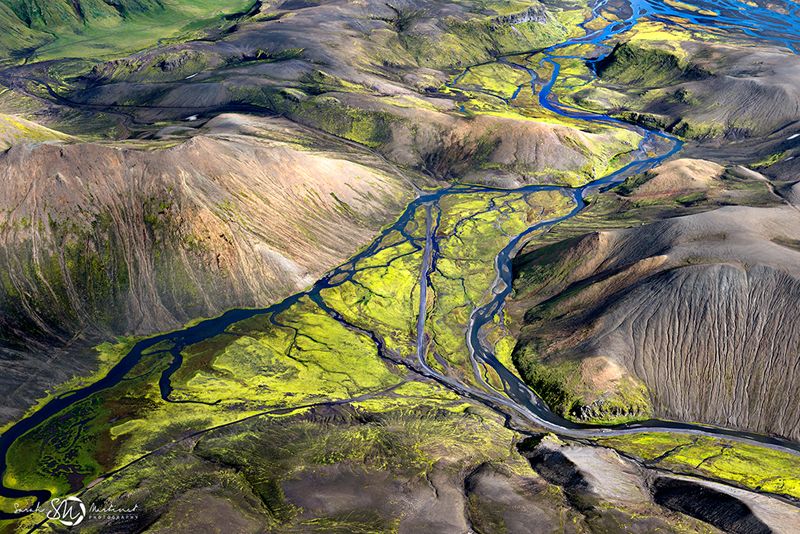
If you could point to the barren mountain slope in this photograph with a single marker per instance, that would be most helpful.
(105, 240)
(733, 103)
(704, 89)
(700, 309)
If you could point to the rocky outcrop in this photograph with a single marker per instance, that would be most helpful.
(720, 509)
(616, 494)
(701, 309)
(535, 14)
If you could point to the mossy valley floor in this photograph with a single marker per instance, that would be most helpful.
(344, 381)
(318, 352)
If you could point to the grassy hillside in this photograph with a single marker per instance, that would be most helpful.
(51, 29)
(15, 130)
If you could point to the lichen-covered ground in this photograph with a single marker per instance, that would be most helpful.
(340, 409)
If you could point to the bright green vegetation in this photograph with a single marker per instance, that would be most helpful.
(15, 130)
(606, 148)
(99, 29)
(691, 129)
(749, 466)
(326, 101)
(261, 456)
(503, 341)
(468, 42)
(769, 160)
(317, 102)
(691, 199)
(309, 355)
(651, 79)
(281, 395)
(650, 58)
(631, 64)
(369, 128)
(299, 357)
(496, 78)
(571, 388)
(383, 296)
(407, 431)
(667, 35)
(471, 231)
(690, 7)
(567, 388)
(108, 354)
(551, 264)
(304, 357)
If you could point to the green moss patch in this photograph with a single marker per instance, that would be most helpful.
(750, 466)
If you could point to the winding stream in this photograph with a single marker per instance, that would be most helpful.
(518, 399)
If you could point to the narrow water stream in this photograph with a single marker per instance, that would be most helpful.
(518, 397)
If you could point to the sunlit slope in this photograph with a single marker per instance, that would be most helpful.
(101, 240)
(50, 29)
(391, 88)
(16, 131)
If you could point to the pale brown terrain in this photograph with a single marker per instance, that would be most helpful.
(234, 168)
(102, 240)
(681, 176)
(602, 484)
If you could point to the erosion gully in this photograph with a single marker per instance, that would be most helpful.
(517, 399)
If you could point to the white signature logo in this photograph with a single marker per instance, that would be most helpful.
(70, 511)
